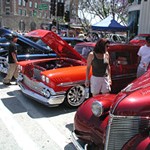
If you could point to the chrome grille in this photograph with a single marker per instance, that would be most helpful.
(36, 74)
(121, 129)
(32, 84)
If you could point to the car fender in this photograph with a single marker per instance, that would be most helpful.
(86, 122)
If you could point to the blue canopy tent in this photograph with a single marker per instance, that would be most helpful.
(109, 24)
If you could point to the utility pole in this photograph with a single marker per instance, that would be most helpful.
(113, 8)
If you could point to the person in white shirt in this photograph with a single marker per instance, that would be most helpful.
(144, 58)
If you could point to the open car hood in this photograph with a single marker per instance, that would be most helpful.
(56, 43)
(39, 33)
(23, 40)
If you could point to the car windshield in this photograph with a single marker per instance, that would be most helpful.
(83, 50)
(40, 42)
(139, 38)
(72, 41)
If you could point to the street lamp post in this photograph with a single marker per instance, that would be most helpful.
(112, 8)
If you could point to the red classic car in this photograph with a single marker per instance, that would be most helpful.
(140, 39)
(61, 80)
(115, 121)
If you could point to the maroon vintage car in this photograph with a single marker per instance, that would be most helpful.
(140, 39)
(115, 122)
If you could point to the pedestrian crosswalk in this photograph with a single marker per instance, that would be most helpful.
(15, 129)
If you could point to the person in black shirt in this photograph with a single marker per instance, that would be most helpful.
(12, 59)
(98, 61)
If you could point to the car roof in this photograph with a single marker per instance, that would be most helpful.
(114, 46)
(143, 35)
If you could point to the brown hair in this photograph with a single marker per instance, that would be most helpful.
(100, 46)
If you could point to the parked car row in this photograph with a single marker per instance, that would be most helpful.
(110, 121)
(29, 47)
(26, 50)
(37, 34)
(61, 80)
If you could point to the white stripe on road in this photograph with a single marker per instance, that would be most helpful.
(22, 139)
(54, 134)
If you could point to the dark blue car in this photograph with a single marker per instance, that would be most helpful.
(26, 50)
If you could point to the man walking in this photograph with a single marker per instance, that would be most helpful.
(144, 58)
(12, 59)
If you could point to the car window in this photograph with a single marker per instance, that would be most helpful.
(23, 48)
(73, 42)
(84, 50)
(40, 42)
(140, 38)
(122, 58)
(123, 39)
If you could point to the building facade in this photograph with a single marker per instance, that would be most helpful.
(139, 18)
(26, 15)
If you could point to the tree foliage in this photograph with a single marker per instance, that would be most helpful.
(102, 9)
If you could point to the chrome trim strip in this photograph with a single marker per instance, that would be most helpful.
(118, 103)
(71, 83)
(76, 143)
(126, 76)
(108, 132)
(3, 61)
(3, 58)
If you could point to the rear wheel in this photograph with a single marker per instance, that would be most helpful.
(75, 96)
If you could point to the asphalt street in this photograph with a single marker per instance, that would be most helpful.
(28, 125)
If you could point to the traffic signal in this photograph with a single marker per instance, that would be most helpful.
(60, 9)
(53, 7)
(67, 16)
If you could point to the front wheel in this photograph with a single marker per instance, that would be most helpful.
(75, 96)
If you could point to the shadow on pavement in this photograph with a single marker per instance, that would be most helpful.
(18, 103)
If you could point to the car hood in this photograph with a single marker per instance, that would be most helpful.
(56, 43)
(39, 33)
(139, 83)
(23, 40)
(134, 99)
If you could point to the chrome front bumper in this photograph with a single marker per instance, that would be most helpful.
(3, 65)
(77, 143)
(54, 99)
(3, 69)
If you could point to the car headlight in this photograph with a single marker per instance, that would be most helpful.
(47, 80)
(97, 108)
(43, 78)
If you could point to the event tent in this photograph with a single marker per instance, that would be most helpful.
(109, 24)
